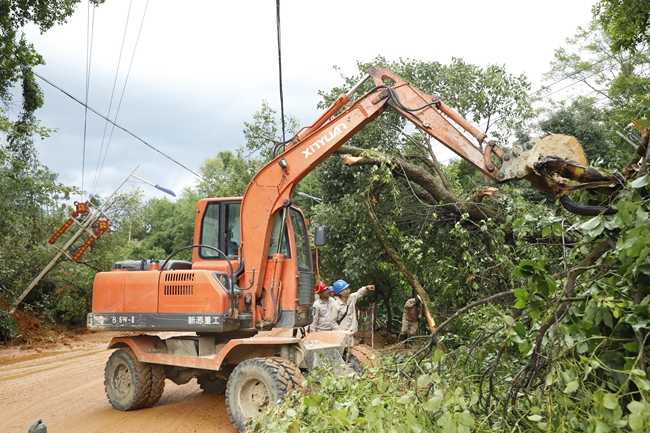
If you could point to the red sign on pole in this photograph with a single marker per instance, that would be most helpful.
(83, 248)
(82, 208)
(62, 230)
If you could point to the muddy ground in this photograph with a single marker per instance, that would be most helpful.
(61, 381)
(59, 377)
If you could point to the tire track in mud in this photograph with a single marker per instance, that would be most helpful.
(17, 369)
(65, 388)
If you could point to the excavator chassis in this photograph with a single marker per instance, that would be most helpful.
(243, 368)
(213, 352)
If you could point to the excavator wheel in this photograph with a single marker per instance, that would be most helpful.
(361, 358)
(210, 385)
(256, 383)
(127, 381)
(157, 385)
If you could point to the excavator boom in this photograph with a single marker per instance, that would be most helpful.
(272, 187)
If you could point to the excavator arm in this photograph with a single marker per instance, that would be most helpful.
(272, 187)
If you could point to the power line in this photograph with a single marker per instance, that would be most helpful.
(113, 123)
(110, 103)
(89, 50)
(277, 15)
(573, 74)
(128, 73)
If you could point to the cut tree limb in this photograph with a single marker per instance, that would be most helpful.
(418, 175)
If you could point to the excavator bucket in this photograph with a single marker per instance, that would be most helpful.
(565, 147)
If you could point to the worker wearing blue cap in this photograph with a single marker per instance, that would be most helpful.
(347, 305)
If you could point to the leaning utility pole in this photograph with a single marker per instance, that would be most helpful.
(84, 227)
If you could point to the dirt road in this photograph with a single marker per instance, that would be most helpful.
(63, 384)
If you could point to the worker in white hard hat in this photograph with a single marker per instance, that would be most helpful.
(346, 305)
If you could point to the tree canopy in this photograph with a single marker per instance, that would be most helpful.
(625, 21)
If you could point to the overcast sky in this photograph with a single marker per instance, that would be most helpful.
(202, 68)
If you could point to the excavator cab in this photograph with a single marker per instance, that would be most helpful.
(140, 297)
(219, 248)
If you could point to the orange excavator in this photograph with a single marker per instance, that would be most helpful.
(252, 269)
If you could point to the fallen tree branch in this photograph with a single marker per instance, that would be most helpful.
(412, 279)
(586, 264)
(416, 174)
(472, 305)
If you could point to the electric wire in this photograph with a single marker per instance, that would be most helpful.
(114, 123)
(126, 80)
(110, 104)
(89, 45)
(280, 69)
(88, 107)
(572, 74)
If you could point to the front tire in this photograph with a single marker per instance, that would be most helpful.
(361, 358)
(157, 385)
(127, 381)
(256, 383)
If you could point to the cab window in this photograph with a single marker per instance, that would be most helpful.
(232, 234)
(301, 239)
(210, 231)
(275, 238)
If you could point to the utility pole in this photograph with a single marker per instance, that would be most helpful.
(84, 228)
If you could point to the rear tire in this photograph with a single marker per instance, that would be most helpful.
(157, 385)
(211, 385)
(127, 381)
(256, 383)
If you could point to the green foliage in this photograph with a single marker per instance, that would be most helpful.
(29, 192)
(616, 84)
(30, 211)
(263, 134)
(7, 326)
(18, 57)
(226, 175)
(644, 118)
(384, 401)
(625, 21)
(350, 248)
(600, 317)
(162, 230)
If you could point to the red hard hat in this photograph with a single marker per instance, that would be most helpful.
(321, 287)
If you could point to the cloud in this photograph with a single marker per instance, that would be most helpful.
(202, 68)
